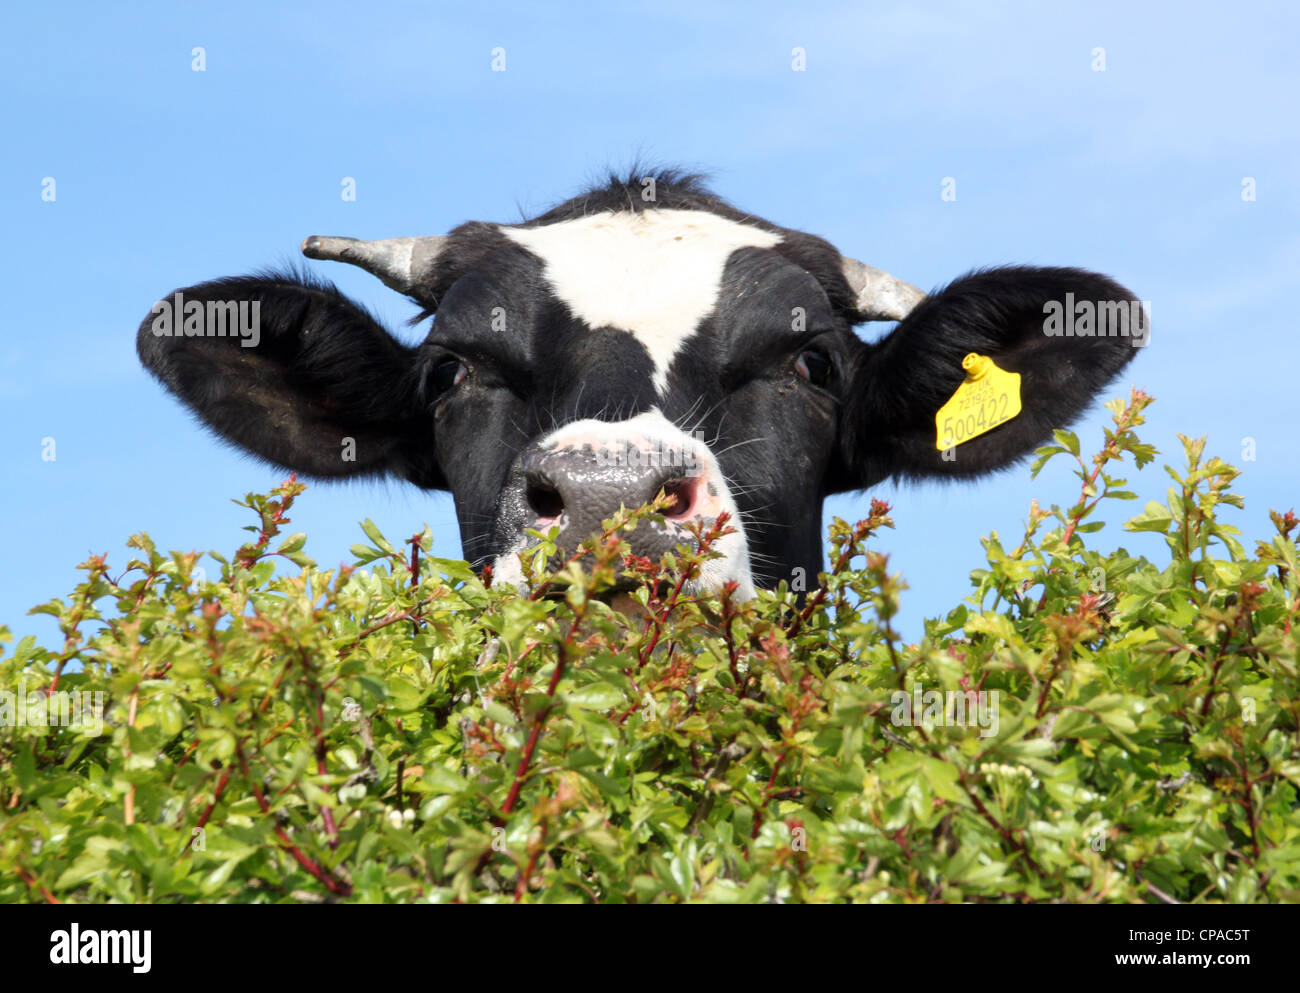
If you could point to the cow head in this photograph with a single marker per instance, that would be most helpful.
(617, 347)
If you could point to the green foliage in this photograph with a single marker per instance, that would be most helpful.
(396, 731)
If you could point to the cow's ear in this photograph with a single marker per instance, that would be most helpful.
(295, 373)
(1018, 317)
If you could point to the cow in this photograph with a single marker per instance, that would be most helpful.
(644, 339)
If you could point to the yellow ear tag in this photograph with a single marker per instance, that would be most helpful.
(989, 396)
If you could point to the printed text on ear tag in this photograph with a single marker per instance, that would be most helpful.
(988, 396)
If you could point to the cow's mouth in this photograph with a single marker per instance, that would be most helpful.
(623, 589)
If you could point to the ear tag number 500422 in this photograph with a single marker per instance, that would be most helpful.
(987, 397)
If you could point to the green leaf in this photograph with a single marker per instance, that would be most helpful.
(293, 543)
(596, 696)
(1157, 517)
(373, 533)
(1067, 440)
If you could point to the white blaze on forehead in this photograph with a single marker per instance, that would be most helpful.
(655, 274)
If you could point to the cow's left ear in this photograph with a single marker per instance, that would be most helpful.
(1067, 333)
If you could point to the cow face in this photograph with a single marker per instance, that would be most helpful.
(614, 349)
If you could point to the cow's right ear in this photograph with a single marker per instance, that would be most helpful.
(295, 373)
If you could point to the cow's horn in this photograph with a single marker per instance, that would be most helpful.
(881, 297)
(402, 263)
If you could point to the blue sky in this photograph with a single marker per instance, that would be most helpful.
(166, 177)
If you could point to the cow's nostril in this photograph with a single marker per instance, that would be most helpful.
(682, 494)
(544, 499)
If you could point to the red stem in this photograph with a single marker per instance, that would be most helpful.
(30, 880)
(335, 886)
(526, 757)
(521, 887)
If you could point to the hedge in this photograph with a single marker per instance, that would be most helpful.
(1085, 727)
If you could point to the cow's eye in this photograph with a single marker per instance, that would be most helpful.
(815, 367)
(447, 374)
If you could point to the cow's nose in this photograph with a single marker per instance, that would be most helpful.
(579, 488)
(578, 476)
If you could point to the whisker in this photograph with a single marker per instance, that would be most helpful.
(739, 444)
